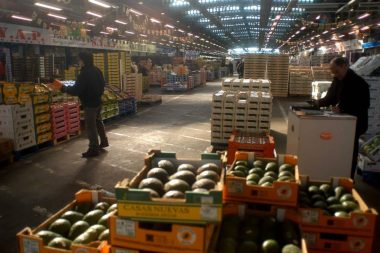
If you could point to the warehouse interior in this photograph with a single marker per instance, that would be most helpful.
(232, 84)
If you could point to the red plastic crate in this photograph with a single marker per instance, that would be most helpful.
(262, 144)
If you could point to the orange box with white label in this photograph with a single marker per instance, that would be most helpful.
(357, 223)
(29, 242)
(280, 193)
(160, 237)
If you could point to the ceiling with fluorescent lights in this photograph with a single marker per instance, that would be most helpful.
(213, 24)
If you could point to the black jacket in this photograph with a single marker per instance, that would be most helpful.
(352, 97)
(89, 87)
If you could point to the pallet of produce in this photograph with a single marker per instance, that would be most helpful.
(262, 180)
(81, 226)
(168, 189)
(333, 207)
(160, 237)
(245, 230)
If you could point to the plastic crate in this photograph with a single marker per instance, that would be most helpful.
(196, 208)
(262, 145)
(280, 193)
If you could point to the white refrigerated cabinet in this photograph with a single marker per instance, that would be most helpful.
(323, 143)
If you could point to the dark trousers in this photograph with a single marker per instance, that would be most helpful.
(94, 127)
(355, 157)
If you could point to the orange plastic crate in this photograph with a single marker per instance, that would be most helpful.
(262, 144)
(280, 193)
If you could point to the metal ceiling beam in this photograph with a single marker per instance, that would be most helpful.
(266, 6)
(196, 5)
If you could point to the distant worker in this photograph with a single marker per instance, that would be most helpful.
(134, 68)
(240, 69)
(348, 93)
(231, 68)
(89, 87)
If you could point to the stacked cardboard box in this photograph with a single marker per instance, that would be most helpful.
(234, 84)
(278, 74)
(255, 66)
(374, 110)
(321, 73)
(132, 84)
(300, 79)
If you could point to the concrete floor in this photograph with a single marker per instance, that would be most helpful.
(41, 184)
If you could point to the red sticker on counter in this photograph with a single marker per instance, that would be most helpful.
(326, 136)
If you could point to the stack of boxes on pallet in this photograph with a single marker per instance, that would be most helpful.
(245, 105)
(113, 67)
(278, 74)
(58, 122)
(17, 124)
(167, 225)
(321, 73)
(272, 67)
(72, 113)
(255, 66)
(300, 79)
(99, 61)
(132, 84)
(41, 109)
(71, 73)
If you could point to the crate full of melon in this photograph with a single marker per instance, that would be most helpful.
(169, 189)
(273, 181)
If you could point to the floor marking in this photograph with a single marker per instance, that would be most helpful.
(195, 138)
(196, 129)
(284, 116)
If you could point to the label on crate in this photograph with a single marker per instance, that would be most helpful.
(360, 221)
(30, 246)
(235, 187)
(126, 227)
(310, 216)
(186, 236)
(284, 192)
(209, 212)
(356, 244)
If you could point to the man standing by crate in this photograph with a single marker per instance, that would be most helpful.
(89, 87)
(348, 93)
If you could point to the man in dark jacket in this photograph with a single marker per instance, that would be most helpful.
(348, 93)
(89, 87)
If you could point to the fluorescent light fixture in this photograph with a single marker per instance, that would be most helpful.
(120, 22)
(104, 33)
(155, 20)
(47, 6)
(56, 16)
(190, 34)
(318, 17)
(277, 17)
(317, 35)
(135, 12)
(341, 36)
(21, 18)
(196, 36)
(111, 28)
(378, 24)
(143, 35)
(303, 28)
(325, 32)
(364, 15)
(353, 32)
(162, 13)
(169, 26)
(90, 24)
(171, 42)
(153, 42)
(364, 28)
(94, 14)
(297, 32)
(182, 31)
(129, 32)
(87, 30)
(100, 3)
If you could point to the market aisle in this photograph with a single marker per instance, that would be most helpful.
(34, 188)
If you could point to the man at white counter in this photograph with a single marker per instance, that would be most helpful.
(349, 94)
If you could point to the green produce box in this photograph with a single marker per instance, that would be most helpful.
(187, 206)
